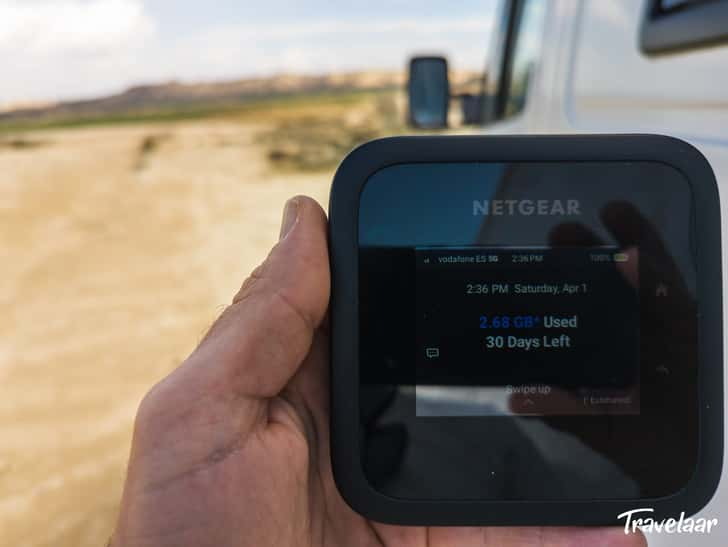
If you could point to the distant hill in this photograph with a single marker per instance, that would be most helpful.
(146, 100)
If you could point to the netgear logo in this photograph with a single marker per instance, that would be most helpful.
(527, 207)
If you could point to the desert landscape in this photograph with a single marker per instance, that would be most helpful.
(121, 242)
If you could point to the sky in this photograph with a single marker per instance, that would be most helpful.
(65, 49)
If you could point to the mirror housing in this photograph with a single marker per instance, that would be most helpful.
(428, 91)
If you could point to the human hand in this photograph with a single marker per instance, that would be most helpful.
(232, 448)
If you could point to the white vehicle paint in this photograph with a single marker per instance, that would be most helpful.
(590, 75)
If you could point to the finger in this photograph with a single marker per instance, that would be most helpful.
(222, 391)
(629, 227)
(632, 230)
(528, 536)
(259, 342)
(594, 537)
(308, 392)
(557, 402)
(578, 235)
(573, 234)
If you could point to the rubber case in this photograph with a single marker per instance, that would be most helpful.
(348, 183)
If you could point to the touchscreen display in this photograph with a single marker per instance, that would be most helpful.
(526, 330)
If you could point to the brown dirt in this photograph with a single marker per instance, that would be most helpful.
(118, 246)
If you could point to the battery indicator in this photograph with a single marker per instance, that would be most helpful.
(621, 257)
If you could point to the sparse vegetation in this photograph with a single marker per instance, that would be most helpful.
(244, 108)
(147, 146)
(314, 143)
(20, 142)
(318, 140)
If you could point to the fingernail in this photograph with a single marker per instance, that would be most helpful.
(290, 215)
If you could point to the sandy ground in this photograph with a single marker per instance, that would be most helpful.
(113, 266)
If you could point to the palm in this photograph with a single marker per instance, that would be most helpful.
(271, 486)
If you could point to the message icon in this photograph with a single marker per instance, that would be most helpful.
(432, 353)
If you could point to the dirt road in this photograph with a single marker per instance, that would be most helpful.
(118, 247)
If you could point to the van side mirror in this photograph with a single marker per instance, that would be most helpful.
(428, 90)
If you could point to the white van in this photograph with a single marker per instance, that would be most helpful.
(607, 66)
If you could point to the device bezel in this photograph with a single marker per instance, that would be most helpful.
(348, 183)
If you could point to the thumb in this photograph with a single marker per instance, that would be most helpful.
(259, 342)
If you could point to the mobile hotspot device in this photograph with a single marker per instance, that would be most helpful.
(526, 330)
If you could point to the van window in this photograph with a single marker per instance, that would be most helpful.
(674, 26)
(524, 54)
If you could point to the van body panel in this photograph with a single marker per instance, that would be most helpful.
(593, 78)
